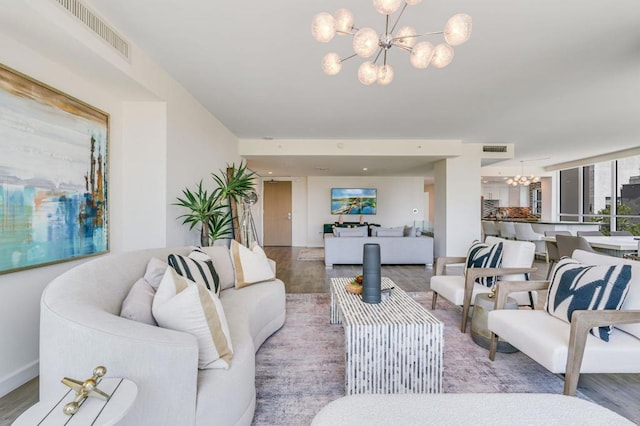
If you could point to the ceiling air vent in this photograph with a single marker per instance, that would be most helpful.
(494, 148)
(97, 25)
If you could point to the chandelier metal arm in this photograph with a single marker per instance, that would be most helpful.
(378, 55)
(348, 57)
(395, 24)
(418, 35)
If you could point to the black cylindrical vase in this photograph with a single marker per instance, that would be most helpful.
(371, 281)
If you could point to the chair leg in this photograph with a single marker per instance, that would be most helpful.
(571, 383)
(465, 315)
(553, 262)
(493, 346)
(433, 299)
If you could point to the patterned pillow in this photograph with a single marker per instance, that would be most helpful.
(197, 267)
(481, 255)
(575, 286)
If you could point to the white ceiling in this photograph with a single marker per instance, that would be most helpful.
(555, 78)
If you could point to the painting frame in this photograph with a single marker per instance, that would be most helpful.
(54, 175)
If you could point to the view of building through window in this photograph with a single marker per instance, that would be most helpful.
(586, 195)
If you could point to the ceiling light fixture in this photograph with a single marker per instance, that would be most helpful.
(366, 41)
(521, 179)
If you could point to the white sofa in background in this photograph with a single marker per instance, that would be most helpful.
(347, 250)
(81, 328)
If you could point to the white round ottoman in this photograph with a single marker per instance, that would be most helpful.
(493, 409)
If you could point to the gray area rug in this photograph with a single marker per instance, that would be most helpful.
(311, 254)
(301, 368)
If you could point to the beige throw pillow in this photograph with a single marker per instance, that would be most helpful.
(251, 266)
(183, 305)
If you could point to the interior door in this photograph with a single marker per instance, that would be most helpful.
(277, 213)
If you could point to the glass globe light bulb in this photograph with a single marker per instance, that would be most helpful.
(509, 181)
(421, 54)
(385, 75)
(323, 27)
(526, 183)
(412, 2)
(516, 177)
(387, 7)
(344, 21)
(458, 29)
(405, 32)
(331, 63)
(442, 55)
(365, 42)
(536, 179)
(367, 73)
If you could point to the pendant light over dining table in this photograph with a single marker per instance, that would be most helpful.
(366, 41)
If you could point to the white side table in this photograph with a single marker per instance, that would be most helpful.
(93, 411)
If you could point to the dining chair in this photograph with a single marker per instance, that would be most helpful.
(525, 232)
(589, 234)
(507, 230)
(552, 249)
(568, 243)
(489, 228)
(621, 234)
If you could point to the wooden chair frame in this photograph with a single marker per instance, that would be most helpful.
(472, 275)
(581, 323)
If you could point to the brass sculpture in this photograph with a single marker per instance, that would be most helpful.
(85, 389)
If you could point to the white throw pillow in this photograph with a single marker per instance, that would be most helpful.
(251, 266)
(183, 305)
(155, 272)
(137, 305)
(221, 259)
(393, 232)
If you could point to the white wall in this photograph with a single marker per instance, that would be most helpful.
(144, 150)
(157, 147)
(397, 197)
(431, 191)
(457, 216)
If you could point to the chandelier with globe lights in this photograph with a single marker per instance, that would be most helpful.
(366, 41)
(521, 179)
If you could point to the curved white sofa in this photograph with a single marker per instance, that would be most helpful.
(80, 328)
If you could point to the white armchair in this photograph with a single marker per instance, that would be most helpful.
(517, 260)
(566, 348)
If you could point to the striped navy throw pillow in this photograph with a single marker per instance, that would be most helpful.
(196, 269)
(481, 255)
(575, 286)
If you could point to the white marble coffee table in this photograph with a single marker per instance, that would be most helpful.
(395, 346)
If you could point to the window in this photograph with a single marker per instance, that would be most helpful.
(586, 195)
(628, 193)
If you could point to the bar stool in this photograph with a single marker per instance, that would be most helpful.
(507, 230)
(553, 255)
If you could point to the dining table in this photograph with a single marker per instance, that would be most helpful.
(613, 246)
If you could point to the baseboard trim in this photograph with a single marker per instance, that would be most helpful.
(13, 381)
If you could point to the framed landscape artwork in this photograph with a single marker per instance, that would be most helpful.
(53, 175)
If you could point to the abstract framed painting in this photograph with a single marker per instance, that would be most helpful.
(53, 175)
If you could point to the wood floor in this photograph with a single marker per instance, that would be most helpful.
(619, 392)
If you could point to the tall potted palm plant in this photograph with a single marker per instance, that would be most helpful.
(202, 208)
(215, 211)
